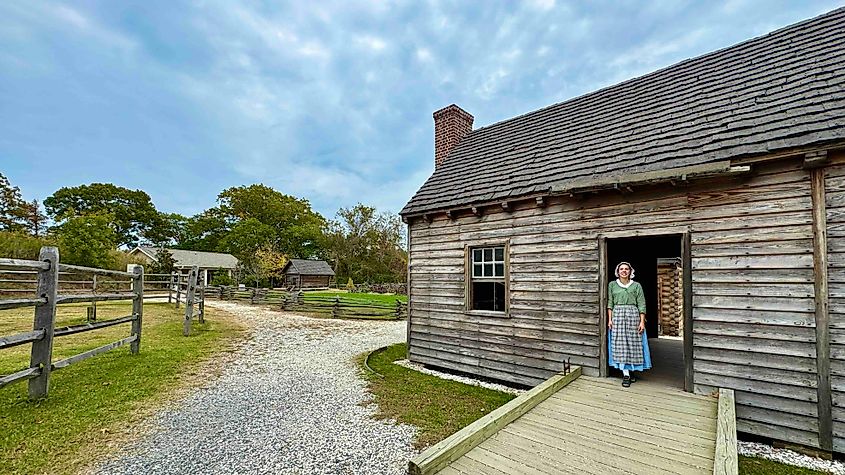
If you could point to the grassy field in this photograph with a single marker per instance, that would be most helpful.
(758, 466)
(367, 298)
(93, 403)
(439, 408)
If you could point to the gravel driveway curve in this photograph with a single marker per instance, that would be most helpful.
(290, 401)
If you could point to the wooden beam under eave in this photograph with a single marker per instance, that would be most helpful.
(476, 211)
(450, 216)
(816, 159)
(506, 206)
(822, 309)
(541, 201)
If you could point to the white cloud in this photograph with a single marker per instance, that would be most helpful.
(371, 42)
(424, 55)
(543, 5)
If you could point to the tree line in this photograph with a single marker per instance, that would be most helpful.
(259, 225)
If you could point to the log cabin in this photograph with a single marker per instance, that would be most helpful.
(731, 164)
(308, 274)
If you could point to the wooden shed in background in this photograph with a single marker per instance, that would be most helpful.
(732, 163)
(308, 274)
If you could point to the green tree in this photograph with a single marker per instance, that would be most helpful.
(166, 229)
(246, 237)
(298, 230)
(87, 240)
(164, 262)
(12, 207)
(33, 219)
(204, 232)
(132, 212)
(367, 246)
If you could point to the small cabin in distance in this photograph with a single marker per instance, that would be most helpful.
(308, 274)
(721, 179)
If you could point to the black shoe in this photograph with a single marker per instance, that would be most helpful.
(633, 379)
(626, 381)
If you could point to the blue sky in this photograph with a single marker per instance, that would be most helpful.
(330, 101)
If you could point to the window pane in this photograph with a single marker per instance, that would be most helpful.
(488, 270)
(499, 296)
(488, 296)
(488, 254)
(500, 270)
(476, 270)
(500, 254)
(483, 297)
(476, 255)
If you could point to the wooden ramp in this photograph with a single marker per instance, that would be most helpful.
(594, 426)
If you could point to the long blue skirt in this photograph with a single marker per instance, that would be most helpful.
(633, 367)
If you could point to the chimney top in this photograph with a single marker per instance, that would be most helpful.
(451, 124)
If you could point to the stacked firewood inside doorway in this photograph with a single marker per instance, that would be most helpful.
(670, 297)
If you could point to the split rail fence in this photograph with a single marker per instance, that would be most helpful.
(45, 274)
(336, 307)
(181, 288)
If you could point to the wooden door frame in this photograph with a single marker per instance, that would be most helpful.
(686, 260)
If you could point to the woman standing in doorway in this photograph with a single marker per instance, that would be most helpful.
(628, 342)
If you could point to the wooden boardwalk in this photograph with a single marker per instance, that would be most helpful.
(594, 426)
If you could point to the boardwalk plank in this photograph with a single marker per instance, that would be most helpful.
(530, 453)
(696, 423)
(611, 448)
(567, 460)
(474, 467)
(632, 435)
(689, 406)
(614, 415)
(595, 427)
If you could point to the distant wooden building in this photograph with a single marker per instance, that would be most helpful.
(209, 263)
(308, 273)
(733, 163)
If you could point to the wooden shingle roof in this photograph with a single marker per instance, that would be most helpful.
(201, 259)
(777, 92)
(308, 267)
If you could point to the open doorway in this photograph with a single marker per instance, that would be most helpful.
(658, 263)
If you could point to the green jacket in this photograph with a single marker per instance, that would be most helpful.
(618, 295)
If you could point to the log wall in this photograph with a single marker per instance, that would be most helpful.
(835, 201)
(753, 291)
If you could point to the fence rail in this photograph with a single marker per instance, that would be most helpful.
(336, 307)
(46, 272)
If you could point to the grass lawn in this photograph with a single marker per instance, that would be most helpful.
(439, 408)
(759, 466)
(368, 298)
(92, 403)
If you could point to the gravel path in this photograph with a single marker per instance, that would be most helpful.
(290, 401)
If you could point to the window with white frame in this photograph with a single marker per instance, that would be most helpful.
(487, 278)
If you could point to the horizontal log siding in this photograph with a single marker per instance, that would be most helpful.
(748, 238)
(835, 202)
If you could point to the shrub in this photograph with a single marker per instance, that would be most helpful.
(350, 286)
(220, 279)
(22, 246)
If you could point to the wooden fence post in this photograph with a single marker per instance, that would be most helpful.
(45, 318)
(202, 304)
(94, 302)
(189, 301)
(170, 289)
(398, 309)
(336, 307)
(178, 288)
(137, 305)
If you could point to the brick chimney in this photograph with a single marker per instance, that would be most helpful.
(451, 124)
